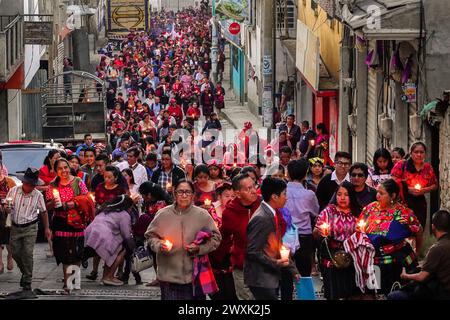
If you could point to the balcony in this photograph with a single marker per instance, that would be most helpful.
(11, 45)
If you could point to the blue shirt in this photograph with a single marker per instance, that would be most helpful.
(303, 205)
(119, 152)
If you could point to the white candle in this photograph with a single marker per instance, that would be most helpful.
(284, 253)
(57, 198)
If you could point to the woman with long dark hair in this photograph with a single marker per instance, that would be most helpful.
(63, 196)
(47, 173)
(322, 143)
(75, 165)
(420, 180)
(205, 190)
(382, 166)
(335, 224)
(388, 223)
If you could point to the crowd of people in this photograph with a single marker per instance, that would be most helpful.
(231, 227)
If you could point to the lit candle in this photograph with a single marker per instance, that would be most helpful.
(312, 142)
(168, 185)
(418, 187)
(362, 225)
(284, 253)
(207, 202)
(9, 201)
(325, 229)
(235, 165)
(168, 244)
(92, 196)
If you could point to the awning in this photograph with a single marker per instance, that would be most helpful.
(326, 81)
(361, 13)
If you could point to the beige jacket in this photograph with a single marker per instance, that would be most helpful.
(180, 228)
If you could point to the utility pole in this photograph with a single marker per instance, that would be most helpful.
(214, 44)
(268, 99)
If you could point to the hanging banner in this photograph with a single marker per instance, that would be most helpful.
(235, 9)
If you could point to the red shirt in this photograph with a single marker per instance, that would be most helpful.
(405, 171)
(193, 113)
(45, 175)
(176, 112)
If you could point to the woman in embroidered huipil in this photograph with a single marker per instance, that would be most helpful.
(68, 226)
(388, 224)
(420, 179)
(336, 223)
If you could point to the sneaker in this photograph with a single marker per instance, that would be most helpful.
(92, 276)
(154, 283)
(84, 264)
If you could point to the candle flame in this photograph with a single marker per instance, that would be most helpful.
(207, 202)
(418, 186)
(325, 228)
(284, 252)
(168, 244)
(362, 225)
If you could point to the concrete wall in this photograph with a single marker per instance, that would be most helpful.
(11, 7)
(438, 79)
(329, 39)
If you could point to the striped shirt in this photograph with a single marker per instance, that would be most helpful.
(26, 207)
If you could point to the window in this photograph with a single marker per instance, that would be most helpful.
(286, 17)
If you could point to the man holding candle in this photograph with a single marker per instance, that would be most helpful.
(235, 219)
(307, 139)
(266, 256)
(26, 205)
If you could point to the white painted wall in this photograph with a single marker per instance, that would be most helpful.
(14, 114)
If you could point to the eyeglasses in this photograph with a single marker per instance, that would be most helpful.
(343, 164)
(359, 175)
(184, 192)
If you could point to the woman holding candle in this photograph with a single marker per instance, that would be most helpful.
(420, 179)
(388, 223)
(171, 235)
(68, 225)
(334, 225)
(205, 189)
(321, 144)
(130, 183)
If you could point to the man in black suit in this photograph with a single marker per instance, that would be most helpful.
(263, 263)
(293, 131)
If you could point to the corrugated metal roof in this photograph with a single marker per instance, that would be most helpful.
(357, 13)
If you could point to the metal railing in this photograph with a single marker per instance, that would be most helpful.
(11, 45)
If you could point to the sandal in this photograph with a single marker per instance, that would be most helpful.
(113, 282)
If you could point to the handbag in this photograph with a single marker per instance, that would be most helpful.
(142, 259)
